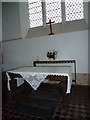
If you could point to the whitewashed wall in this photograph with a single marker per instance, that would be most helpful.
(89, 45)
(70, 45)
(0, 61)
(15, 20)
(73, 45)
(24, 18)
(89, 40)
(0, 34)
(10, 21)
(0, 21)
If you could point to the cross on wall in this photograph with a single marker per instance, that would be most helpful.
(50, 25)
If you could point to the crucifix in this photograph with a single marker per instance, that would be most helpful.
(50, 25)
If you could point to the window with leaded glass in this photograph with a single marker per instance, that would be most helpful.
(41, 11)
(74, 10)
(53, 10)
(35, 13)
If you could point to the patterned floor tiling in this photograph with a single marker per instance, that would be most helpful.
(78, 108)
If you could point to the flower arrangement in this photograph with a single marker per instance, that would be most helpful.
(52, 54)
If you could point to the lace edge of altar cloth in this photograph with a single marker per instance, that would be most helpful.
(35, 79)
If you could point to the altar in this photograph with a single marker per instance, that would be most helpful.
(36, 75)
(38, 90)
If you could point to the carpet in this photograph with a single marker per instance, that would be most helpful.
(78, 107)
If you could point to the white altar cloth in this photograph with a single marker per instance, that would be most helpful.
(35, 75)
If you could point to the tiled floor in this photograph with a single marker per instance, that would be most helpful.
(78, 107)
